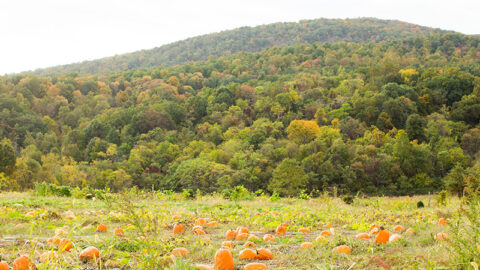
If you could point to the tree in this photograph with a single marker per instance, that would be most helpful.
(471, 141)
(7, 157)
(416, 127)
(288, 178)
(302, 131)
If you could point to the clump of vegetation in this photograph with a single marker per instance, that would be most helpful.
(348, 199)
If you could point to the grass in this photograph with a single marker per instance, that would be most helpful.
(147, 220)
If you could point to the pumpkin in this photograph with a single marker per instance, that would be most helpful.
(90, 253)
(410, 231)
(442, 222)
(382, 236)
(223, 260)
(341, 249)
(394, 237)
(362, 236)
(23, 263)
(284, 224)
(255, 266)
(4, 266)
(65, 245)
(264, 254)
(249, 244)
(102, 228)
(268, 237)
(374, 229)
(398, 228)
(303, 230)
(321, 239)
(178, 228)
(327, 226)
(53, 240)
(60, 232)
(48, 256)
(200, 221)
(230, 235)
(212, 224)
(118, 232)
(325, 233)
(242, 230)
(175, 217)
(242, 236)
(204, 267)
(306, 245)
(247, 254)
(280, 230)
(199, 232)
(179, 252)
(227, 244)
(197, 227)
(441, 236)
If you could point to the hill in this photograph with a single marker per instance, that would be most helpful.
(250, 39)
(392, 117)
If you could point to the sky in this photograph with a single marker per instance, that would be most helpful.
(36, 34)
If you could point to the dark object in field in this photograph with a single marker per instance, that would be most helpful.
(347, 199)
(89, 196)
(420, 204)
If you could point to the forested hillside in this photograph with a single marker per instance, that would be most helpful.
(391, 117)
(250, 39)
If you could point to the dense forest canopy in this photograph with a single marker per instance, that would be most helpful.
(251, 39)
(389, 117)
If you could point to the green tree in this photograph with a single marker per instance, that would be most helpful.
(7, 157)
(289, 178)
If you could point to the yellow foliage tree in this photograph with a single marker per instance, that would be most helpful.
(303, 131)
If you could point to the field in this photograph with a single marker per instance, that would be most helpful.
(28, 221)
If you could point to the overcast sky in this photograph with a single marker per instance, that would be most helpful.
(42, 33)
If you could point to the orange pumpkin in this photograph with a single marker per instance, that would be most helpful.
(398, 228)
(223, 260)
(53, 240)
(382, 236)
(4, 266)
(199, 232)
(227, 244)
(394, 237)
(212, 224)
(264, 254)
(65, 245)
(410, 231)
(325, 233)
(200, 221)
(247, 254)
(230, 235)
(441, 236)
(321, 239)
(118, 232)
(242, 236)
(175, 217)
(303, 230)
(284, 224)
(249, 244)
(374, 229)
(362, 236)
(306, 245)
(268, 238)
(204, 267)
(255, 266)
(241, 230)
(342, 249)
(178, 228)
(48, 256)
(102, 228)
(23, 263)
(328, 226)
(179, 252)
(90, 253)
(442, 222)
(280, 230)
